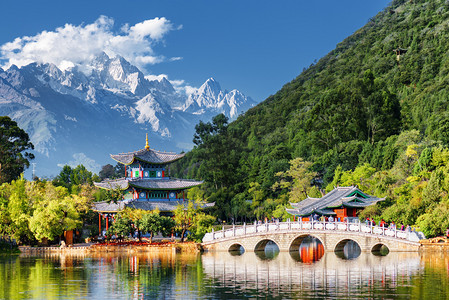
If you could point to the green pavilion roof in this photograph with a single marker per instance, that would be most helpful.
(351, 197)
(147, 155)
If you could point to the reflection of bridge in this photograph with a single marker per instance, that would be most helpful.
(367, 275)
(288, 236)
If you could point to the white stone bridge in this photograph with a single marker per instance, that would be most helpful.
(288, 236)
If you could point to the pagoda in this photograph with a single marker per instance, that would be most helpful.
(146, 184)
(341, 203)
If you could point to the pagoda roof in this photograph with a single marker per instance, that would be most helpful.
(147, 155)
(350, 196)
(163, 206)
(148, 184)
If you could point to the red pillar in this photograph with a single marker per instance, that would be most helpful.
(107, 223)
(99, 224)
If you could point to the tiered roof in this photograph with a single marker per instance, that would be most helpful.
(148, 183)
(147, 155)
(164, 206)
(150, 156)
(351, 197)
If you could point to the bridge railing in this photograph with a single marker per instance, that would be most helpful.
(245, 229)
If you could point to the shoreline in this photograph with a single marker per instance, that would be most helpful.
(187, 247)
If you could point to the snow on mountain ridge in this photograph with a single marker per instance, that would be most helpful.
(72, 111)
(211, 97)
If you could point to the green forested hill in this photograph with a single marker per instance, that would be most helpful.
(372, 112)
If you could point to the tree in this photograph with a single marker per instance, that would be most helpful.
(107, 171)
(54, 217)
(152, 222)
(298, 179)
(122, 226)
(70, 177)
(14, 143)
(18, 210)
(191, 218)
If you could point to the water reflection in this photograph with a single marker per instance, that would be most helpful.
(310, 250)
(348, 249)
(284, 277)
(380, 250)
(269, 251)
(236, 250)
(224, 276)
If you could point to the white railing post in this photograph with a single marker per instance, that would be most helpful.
(289, 225)
(233, 229)
(395, 231)
(383, 230)
(255, 226)
(267, 226)
(312, 223)
(223, 231)
(324, 223)
(300, 222)
(347, 224)
(213, 234)
(360, 226)
(371, 227)
(244, 228)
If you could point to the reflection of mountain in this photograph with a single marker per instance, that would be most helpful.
(83, 115)
(330, 274)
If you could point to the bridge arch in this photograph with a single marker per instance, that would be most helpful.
(348, 248)
(297, 241)
(236, 247)
(260, 246)
(306, 248)
(380, 249)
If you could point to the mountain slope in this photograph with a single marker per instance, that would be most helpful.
(356, 105)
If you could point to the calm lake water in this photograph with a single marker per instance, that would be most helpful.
(308, 274)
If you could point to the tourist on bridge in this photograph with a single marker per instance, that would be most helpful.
(382, 223)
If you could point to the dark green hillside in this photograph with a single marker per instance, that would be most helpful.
(373, 105)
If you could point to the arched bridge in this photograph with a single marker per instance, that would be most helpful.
(288, 236)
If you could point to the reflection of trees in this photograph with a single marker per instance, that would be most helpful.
(218, 275)
(40, 278)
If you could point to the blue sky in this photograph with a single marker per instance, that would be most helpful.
(253, 46)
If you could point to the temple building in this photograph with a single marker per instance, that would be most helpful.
(146, 184)
(341, 203)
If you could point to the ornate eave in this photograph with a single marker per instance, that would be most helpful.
(148, 184)
(147, 155)
(163, 206)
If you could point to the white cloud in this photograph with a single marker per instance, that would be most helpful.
(155, 28)
(189, 90)
(82, 159)
(72, 45)
(159, 77)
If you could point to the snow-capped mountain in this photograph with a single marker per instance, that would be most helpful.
(210, 97)
(81, 116)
